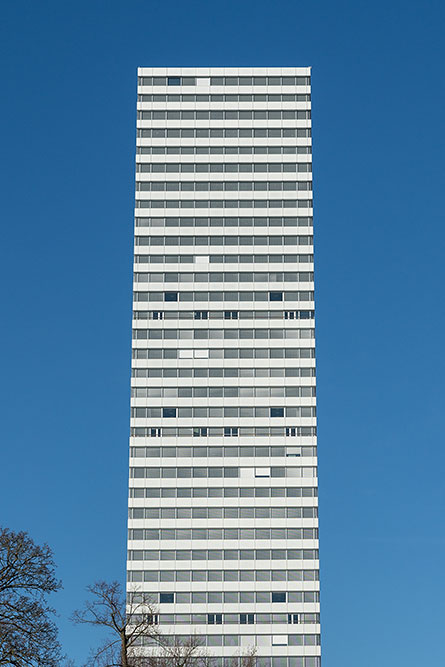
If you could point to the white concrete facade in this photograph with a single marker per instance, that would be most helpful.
(223, 526)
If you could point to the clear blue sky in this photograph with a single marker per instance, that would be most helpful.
(68, 134)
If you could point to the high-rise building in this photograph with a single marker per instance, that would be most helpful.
(223, 527)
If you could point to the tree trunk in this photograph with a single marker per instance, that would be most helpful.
(124, 656)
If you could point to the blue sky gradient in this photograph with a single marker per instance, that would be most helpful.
(68, 119)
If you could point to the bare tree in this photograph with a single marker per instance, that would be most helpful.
(249, 658)
(178, 652)
(28, 635)
(127, 624)
(246, 659)
(135, 638)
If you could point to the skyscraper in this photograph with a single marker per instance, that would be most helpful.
(223, 527)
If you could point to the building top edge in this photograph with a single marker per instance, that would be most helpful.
(223, 71)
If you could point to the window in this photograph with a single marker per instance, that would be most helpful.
(279, 640)
(213, 619)
(167, 597)
(174, 81)
(169, 412)
(278, 596)
(247, 618)
(277, 412)
(214, 640)
(228, 114)
(275, 296)
(200, 431)
(170, 296)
